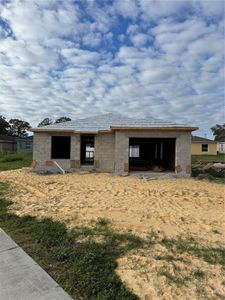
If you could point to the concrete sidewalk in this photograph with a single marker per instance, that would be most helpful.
(21, 278)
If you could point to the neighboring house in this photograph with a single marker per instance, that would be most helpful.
(7, 143)
(24, 144)
(221, 146)
(202, 146)
(113, 143)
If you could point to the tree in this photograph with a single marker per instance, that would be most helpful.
(19, 127)
(4, 126)
(62, 119)
(45, 122)
(219, 132)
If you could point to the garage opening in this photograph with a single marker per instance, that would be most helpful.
(152, 154)
(87, 149)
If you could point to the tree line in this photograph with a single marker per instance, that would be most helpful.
(17, 127)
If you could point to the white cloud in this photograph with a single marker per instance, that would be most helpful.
(156, 9)
(139, 39)
(159, 60)
(29, 21)
(126, 8)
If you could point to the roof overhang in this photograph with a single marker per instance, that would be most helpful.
(50, 130)
(113, 128)
(204, 142)
(157, 128)
(61, 131)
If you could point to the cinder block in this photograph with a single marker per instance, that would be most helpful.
(126, 167)
(96, 164)
(74, 164)
(188, 169)
(178, 169)
(48, 163)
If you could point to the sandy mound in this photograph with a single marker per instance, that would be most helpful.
(169, 207)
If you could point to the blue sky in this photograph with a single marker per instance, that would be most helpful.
(143, 58)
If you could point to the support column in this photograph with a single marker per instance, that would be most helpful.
(75, 151)
(121, 153)
(183, 154)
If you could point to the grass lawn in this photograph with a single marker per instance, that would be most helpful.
(13, 161)
(208, 158)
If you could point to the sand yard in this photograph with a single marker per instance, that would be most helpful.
(163, 208)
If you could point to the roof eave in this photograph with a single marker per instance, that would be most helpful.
(205, 142)
(63, 131)
(157, 128)
(50, 130)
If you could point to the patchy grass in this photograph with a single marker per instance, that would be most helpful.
(82, 261)
(208, 158)
(199, 274)
(102, 222)
(11, 161)
(171, 258)
(219, 178)
(211, 255)
(178, 280)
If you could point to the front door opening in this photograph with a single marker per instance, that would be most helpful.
(87, 149)
(152, 154)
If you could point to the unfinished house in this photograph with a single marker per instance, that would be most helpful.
(113, 143)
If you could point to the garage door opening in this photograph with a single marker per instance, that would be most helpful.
(152, 154)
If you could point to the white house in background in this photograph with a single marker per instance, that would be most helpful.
(221, 146)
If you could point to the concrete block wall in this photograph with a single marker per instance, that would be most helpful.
(42, 152)
(41, 149)
(182, 155)
(121, 151)
(105, 152)
(111, 151)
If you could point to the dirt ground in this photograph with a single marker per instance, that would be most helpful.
(164, 208)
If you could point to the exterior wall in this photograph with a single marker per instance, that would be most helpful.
(111, 151)
(196, 148)
(105, 152)
(182, 155)
(42, 153)
(221, 147)
(121, 152)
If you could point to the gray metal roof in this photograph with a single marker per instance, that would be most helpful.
(109, 122)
